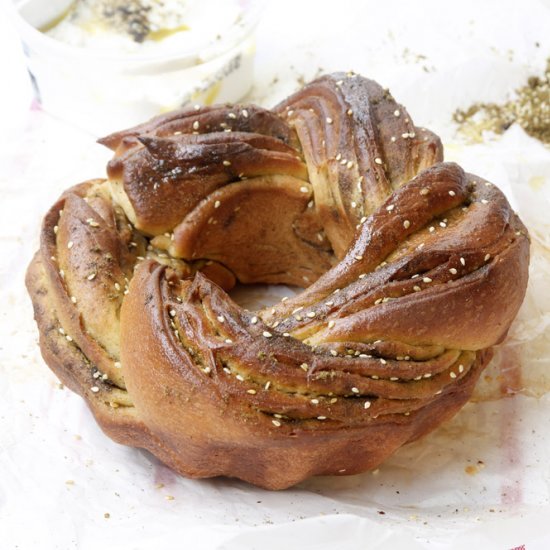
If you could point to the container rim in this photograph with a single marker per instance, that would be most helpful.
(198, 54)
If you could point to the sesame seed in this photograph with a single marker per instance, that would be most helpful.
(353, 204)
(298, 317)
(329, 303)
(374, 377)
(276, 423)
(394, 378)
(217, 204)
(267, 384)
(452, 193)
(227, 370)
(68, 338)
(117, 287)
(424, 191)
(364, 356)
(196, 125)
(254, 320)
(267, 334)
(406, 224)
(349, 164)
(487, 257)
(349, 112)
(244, 112)
(363, 219)
(55, 229)
(393, 139)
(92, 223)
(355, 390)
(390, 207)
(70, 244)
(231, 115)
(453, 271)
(442, 224)
(383, 361)
(396, 112)
(311, 314)
(452, 374)
(462, 261)
(228, 341)
(321, 418)
(286, 334)
(378, 160)
(331, 324)
(290, 113)
(333, 352)
(432, 229)
(95, 389)
(172, 313)
(426, 280)
(73, 299)
(117, 364)
(304, 366)
(329, 120)
(220, 318)
(416, 288)
(226, 163)
(61, 330)
(314, 401)
(460, 368)
(358, 257)
(362, 276)
(251, 391)
(428, 375)
(239, 377)
(91, 276)
(484, 201)
(367, 404)
(304, 189)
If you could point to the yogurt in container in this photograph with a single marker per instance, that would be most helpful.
(107, 64)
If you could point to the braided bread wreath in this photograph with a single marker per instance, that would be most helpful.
(412, 270)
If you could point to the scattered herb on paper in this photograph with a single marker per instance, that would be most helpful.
(529, 107)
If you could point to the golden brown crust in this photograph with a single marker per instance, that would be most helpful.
(414, 270)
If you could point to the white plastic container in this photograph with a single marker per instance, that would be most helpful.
(104, 90)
